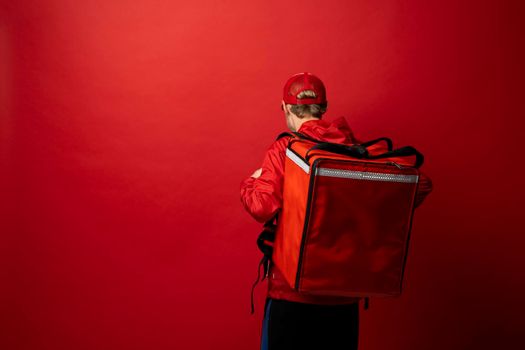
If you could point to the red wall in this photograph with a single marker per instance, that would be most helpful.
(127, 126)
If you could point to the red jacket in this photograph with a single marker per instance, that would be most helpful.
(262, 197)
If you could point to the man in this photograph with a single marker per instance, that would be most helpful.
(293, 320)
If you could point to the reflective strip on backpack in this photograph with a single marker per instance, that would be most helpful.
(295, 158)
(366, 175)
(352, 174)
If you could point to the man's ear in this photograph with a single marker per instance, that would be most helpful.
(289, 109)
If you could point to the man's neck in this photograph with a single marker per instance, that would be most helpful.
(305, 119)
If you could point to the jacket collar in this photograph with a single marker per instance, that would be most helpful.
(337, 131)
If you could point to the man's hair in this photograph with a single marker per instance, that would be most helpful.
(315, 110)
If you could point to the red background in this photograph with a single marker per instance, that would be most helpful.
(126, 128)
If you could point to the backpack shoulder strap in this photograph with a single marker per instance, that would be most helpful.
(297, 135)
(283, 134)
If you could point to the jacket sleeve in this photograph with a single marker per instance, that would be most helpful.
(424, 187)
(262, 196)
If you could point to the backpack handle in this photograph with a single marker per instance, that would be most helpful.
(356, 151)
(364, 144)
(388, 141)
(406, 151)
(360, 152)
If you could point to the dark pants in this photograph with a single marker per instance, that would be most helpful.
(291, 325)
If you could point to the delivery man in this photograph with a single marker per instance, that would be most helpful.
(294, 320)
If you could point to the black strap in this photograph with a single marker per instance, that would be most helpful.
(265, 237)
(262, 262)
(360, 152)
(306, 137)
(364, 144)
(299, 135)
(283, 134)
(389, 143)
(356, 151)
(402, 152)
(366, 303)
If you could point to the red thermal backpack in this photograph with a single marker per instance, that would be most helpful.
(344, 226)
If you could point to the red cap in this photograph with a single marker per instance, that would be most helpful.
(300, 82)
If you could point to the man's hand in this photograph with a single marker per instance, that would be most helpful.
(257, 173)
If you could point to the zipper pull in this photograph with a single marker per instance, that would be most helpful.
(394, 163)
